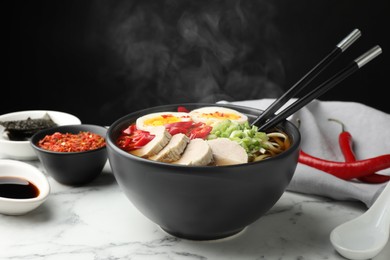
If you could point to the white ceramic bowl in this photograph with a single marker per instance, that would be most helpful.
(13, 168)
(22, 150)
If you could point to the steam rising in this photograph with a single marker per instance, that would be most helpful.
(175, 51)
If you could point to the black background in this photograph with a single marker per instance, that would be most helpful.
(100, 60)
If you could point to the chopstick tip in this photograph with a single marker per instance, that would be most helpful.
(368, 56)
(351, 38)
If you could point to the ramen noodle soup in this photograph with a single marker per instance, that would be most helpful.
(207, 136)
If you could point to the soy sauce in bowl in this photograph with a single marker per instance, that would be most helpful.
(23, 187)
(17, 188)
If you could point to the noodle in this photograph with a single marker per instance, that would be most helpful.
(276, 144)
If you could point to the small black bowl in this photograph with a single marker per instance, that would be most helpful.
(201, 202)
(72, 168)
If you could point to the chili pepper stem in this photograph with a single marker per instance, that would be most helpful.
(346, 146)
(339, 122)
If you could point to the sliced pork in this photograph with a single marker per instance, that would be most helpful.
(227, 152)
(161, 139)
(197, 153)
(173, 150)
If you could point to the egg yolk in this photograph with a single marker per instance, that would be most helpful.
(220, 115)
(162, 120)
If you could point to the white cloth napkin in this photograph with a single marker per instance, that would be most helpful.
(370, 129)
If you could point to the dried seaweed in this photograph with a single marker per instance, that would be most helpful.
(22, 130)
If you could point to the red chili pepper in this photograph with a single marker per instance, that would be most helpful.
(347, 170)
(183, 124)
(133, 138)
(345, 143)
(131, 129)
(189, 128)
(182, 109)
(201, 131)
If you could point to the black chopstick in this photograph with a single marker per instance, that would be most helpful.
(321, 89)
(306, 79)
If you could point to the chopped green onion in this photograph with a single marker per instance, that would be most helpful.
(247, 136)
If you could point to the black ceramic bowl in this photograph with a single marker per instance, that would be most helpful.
(72, 168)
(201, 202)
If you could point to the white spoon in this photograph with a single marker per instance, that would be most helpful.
(365, 236)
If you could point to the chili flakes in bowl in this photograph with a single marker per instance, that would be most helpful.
(68, 142)
(73, 154)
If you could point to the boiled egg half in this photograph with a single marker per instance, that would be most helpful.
(214, 115)
(150, 121)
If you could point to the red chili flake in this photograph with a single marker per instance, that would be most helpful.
(81, 142)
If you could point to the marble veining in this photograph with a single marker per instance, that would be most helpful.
(97, 221)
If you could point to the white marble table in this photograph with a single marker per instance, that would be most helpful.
(97, 221)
